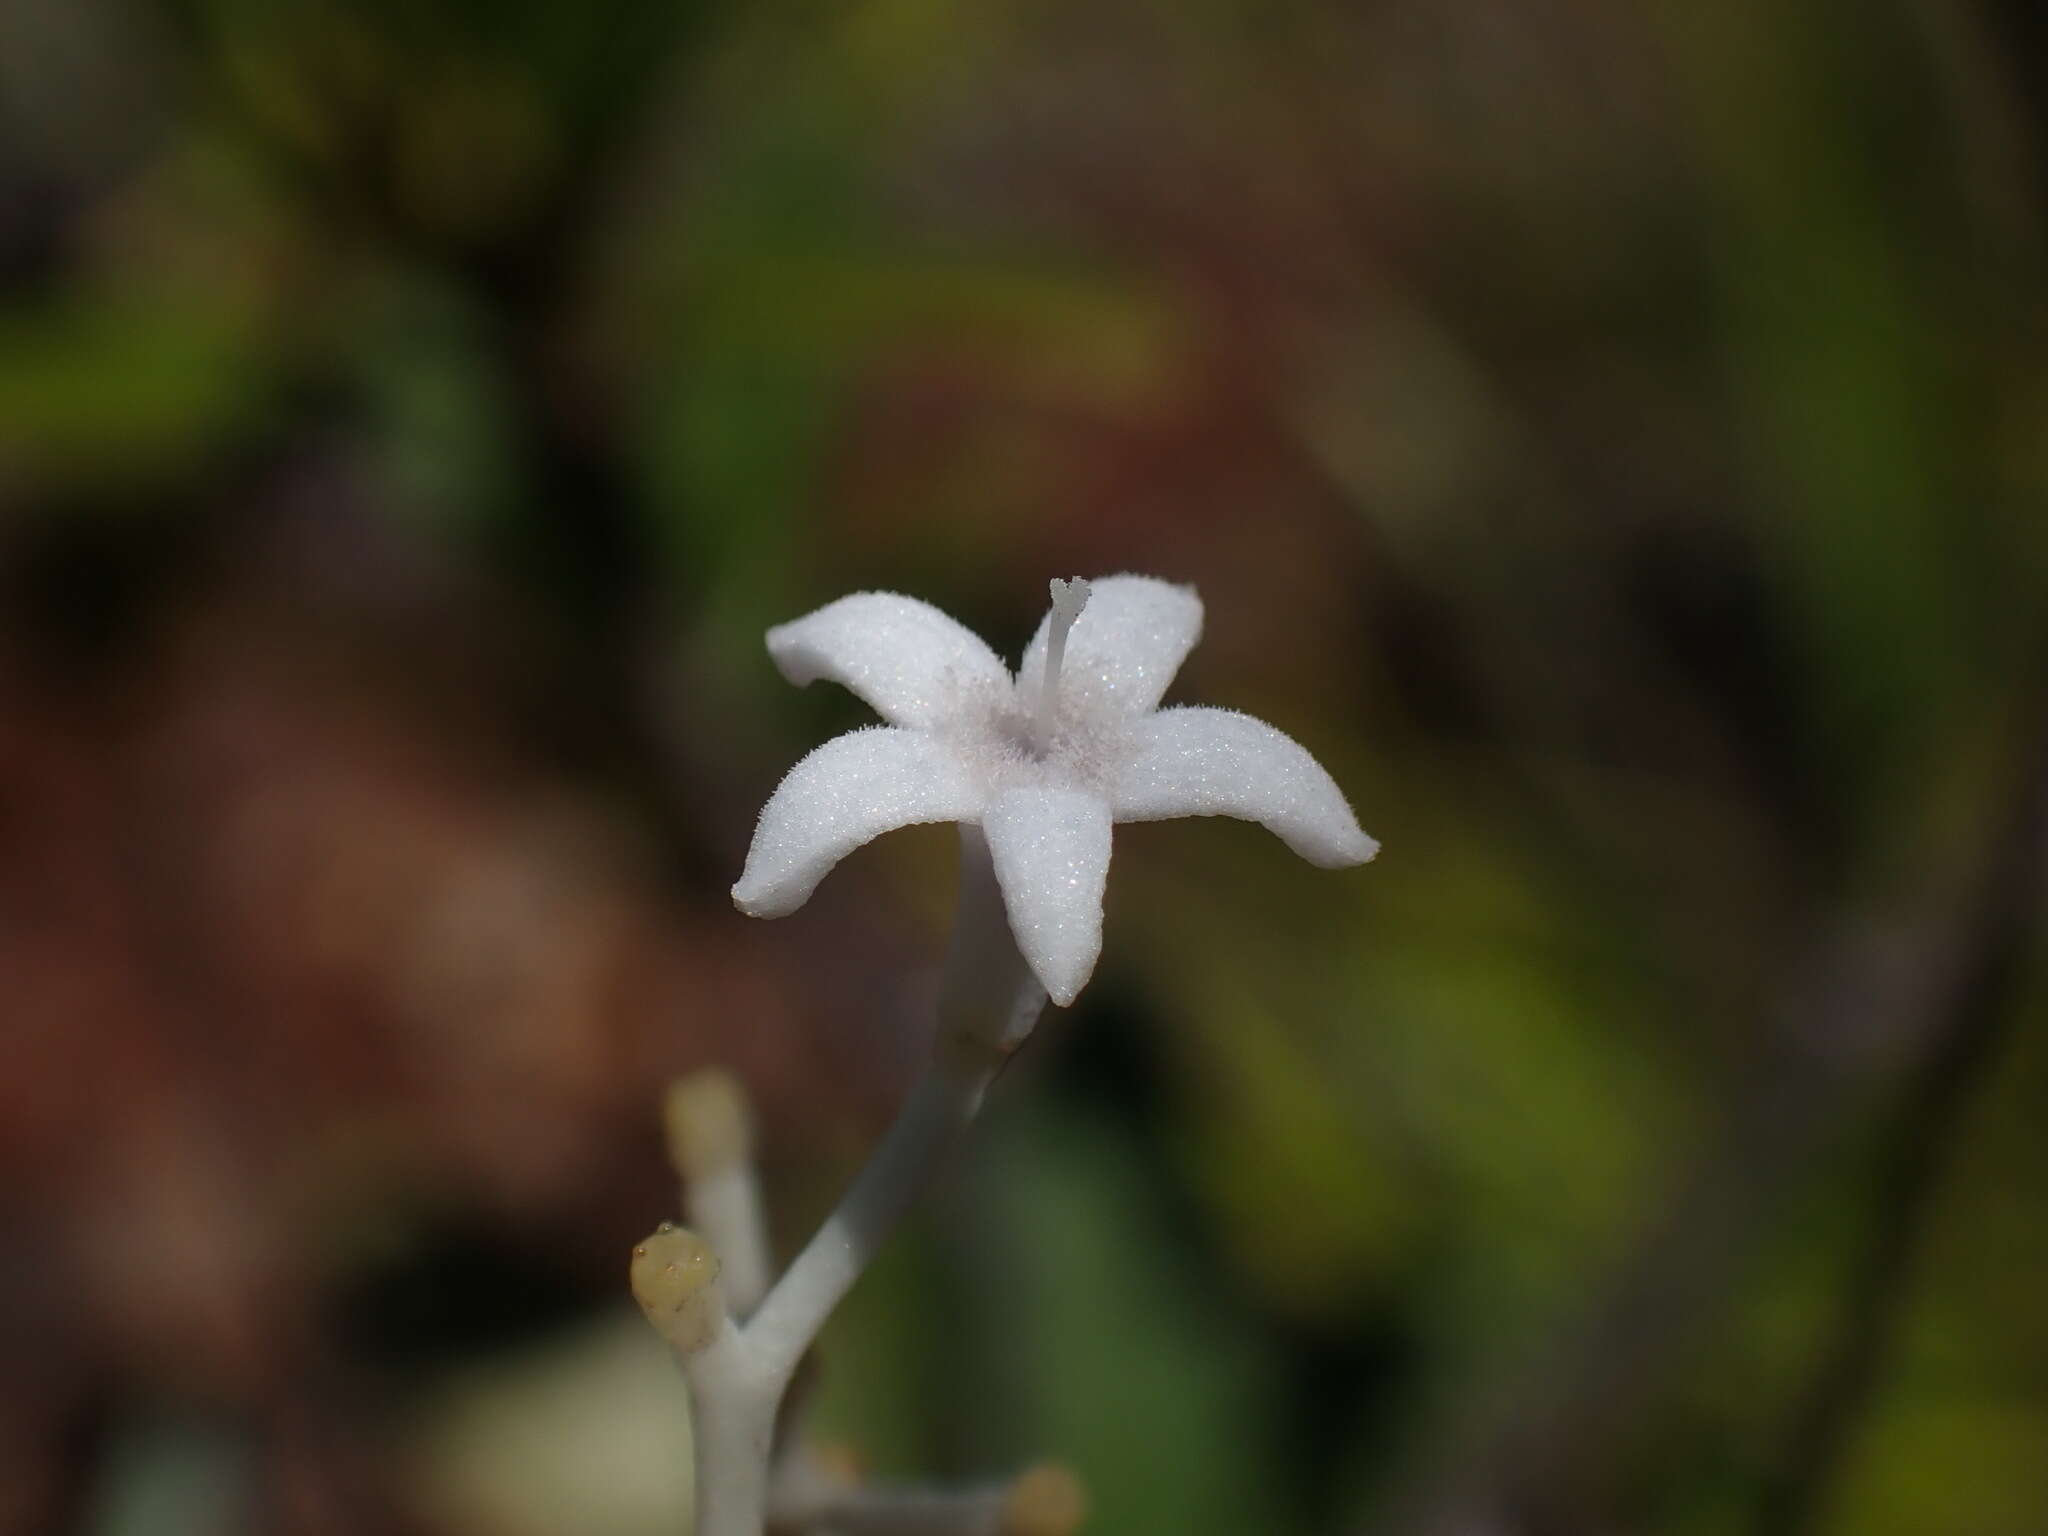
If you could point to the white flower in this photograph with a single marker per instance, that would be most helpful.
(1044, 762)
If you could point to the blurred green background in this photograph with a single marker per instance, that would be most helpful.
(1612, 436)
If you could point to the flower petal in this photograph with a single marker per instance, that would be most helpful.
(1123, 650)
(853, 788)
(905, 658)
(1217, 762)
(1051, 853)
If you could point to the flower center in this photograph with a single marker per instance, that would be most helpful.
(1068, 599)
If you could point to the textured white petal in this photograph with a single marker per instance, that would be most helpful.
(853, 788)
(1216, 762)
(908, 660)
(1123, 650)
(1051, 853)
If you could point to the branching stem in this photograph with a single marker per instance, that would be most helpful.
(737, 1379)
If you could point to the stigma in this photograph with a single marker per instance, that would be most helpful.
(1068, 599)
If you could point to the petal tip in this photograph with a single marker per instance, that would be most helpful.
(1064, 962)
(762, 900)
(1349, 850)
(785, 649)
(1065, 986)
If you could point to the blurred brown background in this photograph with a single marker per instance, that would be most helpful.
(1613, 437)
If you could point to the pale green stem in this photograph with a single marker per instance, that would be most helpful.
(988, 1003)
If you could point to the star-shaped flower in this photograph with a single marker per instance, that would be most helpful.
(1043, 762)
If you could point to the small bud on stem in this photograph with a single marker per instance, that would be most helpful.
(1046, 1500)
(675, 1280)
(709, 1129)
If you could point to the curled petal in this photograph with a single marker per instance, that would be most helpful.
(909, 661)
(1051, 853)
(1123, 650)
(1216, 762)
(853, 788)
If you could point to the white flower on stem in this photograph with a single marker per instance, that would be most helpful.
(1043, 762)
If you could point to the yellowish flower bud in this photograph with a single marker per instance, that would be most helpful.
(675, 1280)
(709, 1127)
(1046, 1500)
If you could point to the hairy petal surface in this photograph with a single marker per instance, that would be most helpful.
(910, 662)
(1124, 649)
(1217, 762)
(852, 789)
(1051, 853)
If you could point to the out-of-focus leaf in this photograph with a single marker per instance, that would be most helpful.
(121, 390)
(1841, 390)
(1309, 1192)
(1932, 1465)
(1137, 1375)
(172, 1478)
(436, 401)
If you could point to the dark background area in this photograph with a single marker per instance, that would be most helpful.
(1612, 436)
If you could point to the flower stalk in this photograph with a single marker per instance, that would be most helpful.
(739, 1373)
